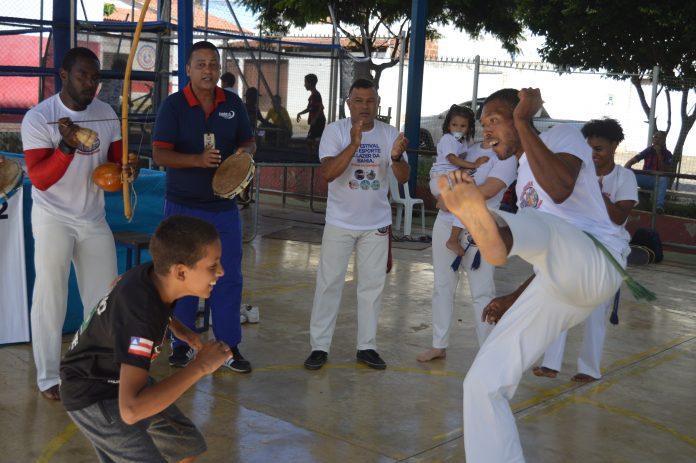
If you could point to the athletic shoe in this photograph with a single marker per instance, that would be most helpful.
(181, 356)
(242, 315)
(251, 313)
(238, 363)
(371, 358)
(316, 360)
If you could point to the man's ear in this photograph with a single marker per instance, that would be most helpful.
(63, 74)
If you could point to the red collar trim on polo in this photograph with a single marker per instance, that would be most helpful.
(193, 101)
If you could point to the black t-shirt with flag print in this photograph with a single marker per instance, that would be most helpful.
(126, 326)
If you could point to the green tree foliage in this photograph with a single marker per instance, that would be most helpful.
(368, 22)
(624, 37)
(109, 8)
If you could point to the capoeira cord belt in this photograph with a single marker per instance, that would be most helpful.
(474, 265)
(639, 291)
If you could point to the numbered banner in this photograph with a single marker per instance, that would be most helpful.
(14, 310)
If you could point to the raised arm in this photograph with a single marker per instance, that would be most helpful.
(400, 167)
(555, 172)
(333, 166)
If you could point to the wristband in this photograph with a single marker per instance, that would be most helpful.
(64, 147)
(399, 159)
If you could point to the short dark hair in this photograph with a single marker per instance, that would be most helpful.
(362, 83)
(180, 239)
(228, 79)
(202, 45)
(606, 128)
(312, 79)
(463, 111)
(506, 95)
(78, 53)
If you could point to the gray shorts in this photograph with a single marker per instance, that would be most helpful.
(166, 436)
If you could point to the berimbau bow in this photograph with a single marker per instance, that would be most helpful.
(126, 178)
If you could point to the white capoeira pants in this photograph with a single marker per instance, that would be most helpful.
(572, 277)
(481, 284)
(57, 241)
(371, 251)
(590, 356)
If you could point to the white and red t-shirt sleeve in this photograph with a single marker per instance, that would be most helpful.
(46, 163)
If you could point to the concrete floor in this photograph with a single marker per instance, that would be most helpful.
(643, 410)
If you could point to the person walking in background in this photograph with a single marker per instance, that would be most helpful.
(314, 111)
(655, 157)
(197, 128)
(620, 193)
(356, 154)
(68, 218)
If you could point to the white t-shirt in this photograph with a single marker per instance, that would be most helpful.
(503, 170)
(446, 146)
(74, 196)
(620, 184)
(358, 197)
(585, 207)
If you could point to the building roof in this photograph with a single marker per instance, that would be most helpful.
(123, 14)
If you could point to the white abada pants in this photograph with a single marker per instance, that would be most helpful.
(572, 278)
(371, 250)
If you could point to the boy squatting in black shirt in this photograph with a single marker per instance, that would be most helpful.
(105, 382)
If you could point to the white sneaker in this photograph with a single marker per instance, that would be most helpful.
(252, 314)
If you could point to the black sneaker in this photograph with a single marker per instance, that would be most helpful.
(316, 360)
(181, 356)
(371, 358)
(238, 363)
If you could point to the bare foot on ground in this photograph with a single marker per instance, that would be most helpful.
(583, 378)
(543, 371)
(431, 354)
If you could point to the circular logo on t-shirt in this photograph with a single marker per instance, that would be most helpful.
(353, 184)
(530, 197)
(375, 185)
(359, 174)
(371, 175)
(364, 184)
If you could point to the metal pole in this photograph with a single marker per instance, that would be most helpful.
(280, 49)
(256, 61)
(653, 102)
(205, 34)
(474, 93)
(400, 88)
(419, 11)
(72, 25)
(333, 89)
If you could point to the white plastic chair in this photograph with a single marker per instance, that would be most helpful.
(406, 202)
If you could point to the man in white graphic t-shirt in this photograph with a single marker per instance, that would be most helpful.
(356, 154)
(560, 205)
(67, 216)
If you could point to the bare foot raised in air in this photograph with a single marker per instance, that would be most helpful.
(463, 198)
(432, 354)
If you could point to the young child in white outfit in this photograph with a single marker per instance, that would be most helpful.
(457, 129)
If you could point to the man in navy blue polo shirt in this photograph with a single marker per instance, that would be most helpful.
(186, 123)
